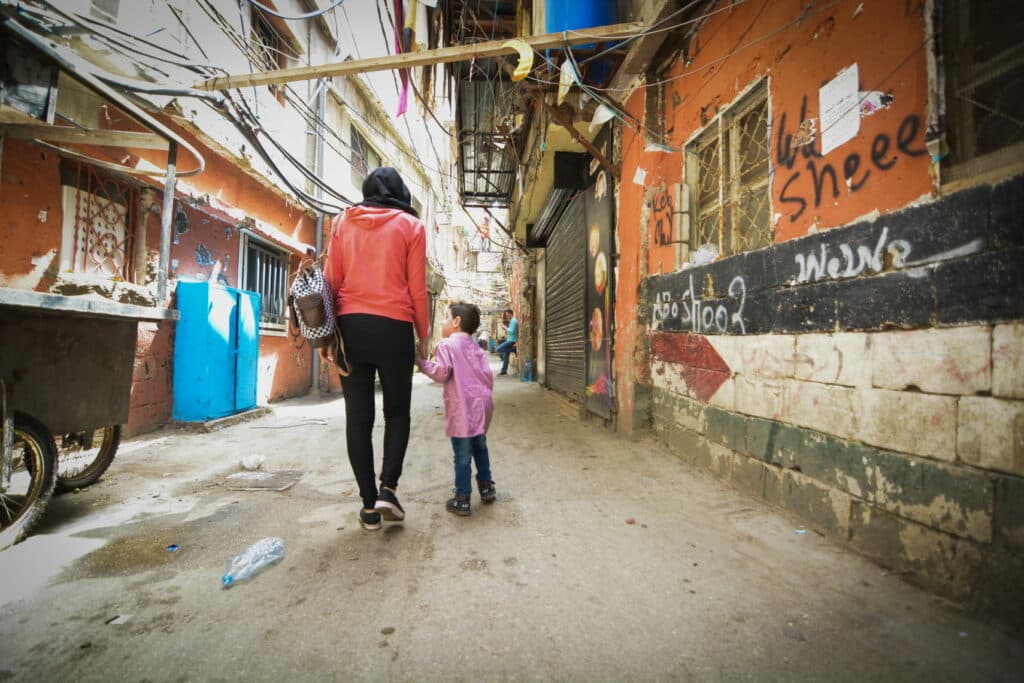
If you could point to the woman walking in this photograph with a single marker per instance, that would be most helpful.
(376, 267)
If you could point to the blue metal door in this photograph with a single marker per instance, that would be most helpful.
(216, 351)
(222, 349)
(248, 356)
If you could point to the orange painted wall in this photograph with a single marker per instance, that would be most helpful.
(30, 184)
(886, 41)
(224, 181)
(886, 161)
(29, 250)
(629, 365)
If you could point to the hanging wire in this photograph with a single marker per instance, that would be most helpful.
(692, 72)
(391, 19)
(307, 15)
(315, 122)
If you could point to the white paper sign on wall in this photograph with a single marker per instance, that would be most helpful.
(837, 102)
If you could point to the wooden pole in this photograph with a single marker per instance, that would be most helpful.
(86, 136)
(405, 60)
(566, 122)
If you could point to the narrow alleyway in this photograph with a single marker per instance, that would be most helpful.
(602, 560)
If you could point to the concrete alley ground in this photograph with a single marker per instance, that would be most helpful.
(603, 559)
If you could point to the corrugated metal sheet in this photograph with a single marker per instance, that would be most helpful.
(564, 291)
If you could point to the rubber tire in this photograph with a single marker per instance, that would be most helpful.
(43, 477)
(91, 474)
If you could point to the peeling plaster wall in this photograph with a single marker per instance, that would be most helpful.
(31, 217)
(887, 42)
(523, 284)
(30, 193)
(862, 373)
(629, 359)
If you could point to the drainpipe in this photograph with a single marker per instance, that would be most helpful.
(141, 252)
(321, 113)
(165, 225)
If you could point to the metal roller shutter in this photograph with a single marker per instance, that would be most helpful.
(565, 287)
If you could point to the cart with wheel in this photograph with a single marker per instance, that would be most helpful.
(66, 368)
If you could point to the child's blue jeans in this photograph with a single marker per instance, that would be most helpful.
(467, 449)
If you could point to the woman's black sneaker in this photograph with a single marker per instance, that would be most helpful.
(389, 507)
(459, 505)
(369, 520)
(487, 492)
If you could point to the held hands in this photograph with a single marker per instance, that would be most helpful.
(422, 349)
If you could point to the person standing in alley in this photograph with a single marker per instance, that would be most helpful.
(376, 267)
(508, 347)
(461, 365)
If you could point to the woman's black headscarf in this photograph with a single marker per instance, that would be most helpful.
(385, 188)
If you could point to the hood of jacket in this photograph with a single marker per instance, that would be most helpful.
(369, 217)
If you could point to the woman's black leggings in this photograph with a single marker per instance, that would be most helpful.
(375, 344)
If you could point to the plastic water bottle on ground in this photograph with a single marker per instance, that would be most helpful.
(256, 557)
(527, 375)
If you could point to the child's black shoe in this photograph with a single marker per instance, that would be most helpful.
(459, 505)
(487, 492)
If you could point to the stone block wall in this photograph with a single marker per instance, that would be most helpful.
(869, 380)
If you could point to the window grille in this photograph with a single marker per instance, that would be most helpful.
(101, 212)
(728, 173)
(984, 70)
(364, 158)
(265, 271)
(273, 46)
(266, 42)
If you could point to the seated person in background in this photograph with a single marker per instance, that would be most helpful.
(508, 347)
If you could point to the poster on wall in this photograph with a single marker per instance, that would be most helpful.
(837, 102)
(599, 215)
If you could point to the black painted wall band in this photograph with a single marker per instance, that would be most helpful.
(957, 260)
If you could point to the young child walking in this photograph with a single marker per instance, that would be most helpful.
(461, 365)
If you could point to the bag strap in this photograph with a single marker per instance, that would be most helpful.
(341, 363)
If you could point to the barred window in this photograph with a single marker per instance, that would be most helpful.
(727, 172)
(265, 271)
(99, 212)
(364, 158)
(983, 58)
(273, 46)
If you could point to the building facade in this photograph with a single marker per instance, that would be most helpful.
(815, 266)
(276, 163)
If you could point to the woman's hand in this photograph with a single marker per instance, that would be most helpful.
(327, 353)
(422, 349)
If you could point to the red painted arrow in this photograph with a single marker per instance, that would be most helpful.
(700, 366)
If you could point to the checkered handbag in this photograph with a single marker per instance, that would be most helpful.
(312, 305)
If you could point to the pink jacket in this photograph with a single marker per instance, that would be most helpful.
(377, 264)
(462, 367)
